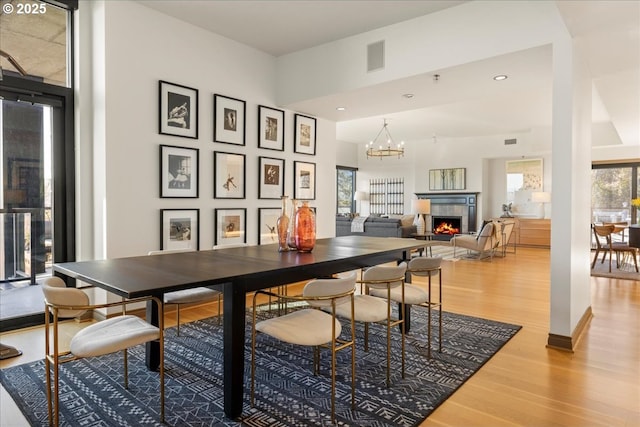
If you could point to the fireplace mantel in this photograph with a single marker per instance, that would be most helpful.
(470, 200)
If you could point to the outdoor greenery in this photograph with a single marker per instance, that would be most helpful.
(611, 193)
(346, 179)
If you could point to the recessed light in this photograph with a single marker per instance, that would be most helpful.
(340, 108)
(500, 77)
(408, 95)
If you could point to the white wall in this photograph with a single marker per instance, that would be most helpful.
(483, 158)
(119, 122)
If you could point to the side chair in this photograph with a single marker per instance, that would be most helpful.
(483, 243)
(104, 337)
(189, 296)
(382, 286)
(311, 327)
(604, 244)
(415, 295)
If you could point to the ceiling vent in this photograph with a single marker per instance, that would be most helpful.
(375, 56)
(510, 141)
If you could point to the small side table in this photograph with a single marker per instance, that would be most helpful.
(424, 236)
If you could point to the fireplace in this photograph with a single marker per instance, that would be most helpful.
(446, 226)
(461, 206)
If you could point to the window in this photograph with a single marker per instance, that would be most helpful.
(35, 41)
(612, 188)
(37, 203)
(346, 182)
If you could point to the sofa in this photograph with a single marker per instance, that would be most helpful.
(400, 226)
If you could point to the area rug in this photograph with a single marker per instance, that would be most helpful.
(287, 392)
(626, 271)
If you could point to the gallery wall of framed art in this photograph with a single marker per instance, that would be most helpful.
(232, 200)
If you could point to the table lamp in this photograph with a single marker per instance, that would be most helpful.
(420, 207)
(541, 197)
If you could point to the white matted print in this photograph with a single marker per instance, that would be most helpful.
(304, 181)
(229, 176)
(178, 172)
(270, 128)
(271, 185)
(178, 110)
(304, 135)
(180, 229)
(267, 225)
(229, 120)
(230, 226)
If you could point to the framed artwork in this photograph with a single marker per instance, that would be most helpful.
(267, 221)
(271, 175)
(304, 135)
(447, 179)
(180, 229)
(526, 174)
(178, 110)
(270, 128)
(230, 226)
(304, 181)
(229, 120)
(178, 171)
(229, 175)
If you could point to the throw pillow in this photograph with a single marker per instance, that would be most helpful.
(406, 220)
(484, 223)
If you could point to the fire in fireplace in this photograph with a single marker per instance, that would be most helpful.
(446, 225)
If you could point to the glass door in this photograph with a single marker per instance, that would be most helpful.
(26, 229)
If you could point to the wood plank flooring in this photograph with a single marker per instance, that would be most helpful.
(525, 384)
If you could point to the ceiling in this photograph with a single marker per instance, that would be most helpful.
(465, 101)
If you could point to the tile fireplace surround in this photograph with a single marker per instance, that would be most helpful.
(463, 205)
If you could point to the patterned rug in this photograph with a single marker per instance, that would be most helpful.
(287, 392)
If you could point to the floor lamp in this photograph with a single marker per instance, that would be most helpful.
(358, 196)
(421, 207)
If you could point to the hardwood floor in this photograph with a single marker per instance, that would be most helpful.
(525, 384)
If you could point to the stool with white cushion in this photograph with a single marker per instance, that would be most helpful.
(189, 296)
(108, 336)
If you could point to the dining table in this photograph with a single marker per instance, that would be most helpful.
(236, 271)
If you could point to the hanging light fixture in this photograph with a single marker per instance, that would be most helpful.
(388, 149)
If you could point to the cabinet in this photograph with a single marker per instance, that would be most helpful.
(533, 232)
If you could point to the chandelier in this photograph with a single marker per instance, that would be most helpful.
(388, 150)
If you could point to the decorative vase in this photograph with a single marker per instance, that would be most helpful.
(291, 234)
(305, 228)
(282, 226)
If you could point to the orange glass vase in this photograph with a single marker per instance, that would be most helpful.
(282, 226)
(305, 228)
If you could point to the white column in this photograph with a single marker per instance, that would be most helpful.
(570, 193)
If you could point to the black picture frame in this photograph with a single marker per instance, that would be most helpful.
(271, 126)
(180, 229)
(304, 180)
(230, 226)
(229, 175)
(271, 173)
(178, 110)
(267, 225)
(229, 120)
(179, 172)
(304, 135)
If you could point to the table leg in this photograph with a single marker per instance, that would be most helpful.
(152, 354)
(407, 308)
(234, 325)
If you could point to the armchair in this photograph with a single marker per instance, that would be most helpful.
(483, 243)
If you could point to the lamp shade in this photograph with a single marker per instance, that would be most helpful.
(541, 197)
(360, 195)
(421, 206)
